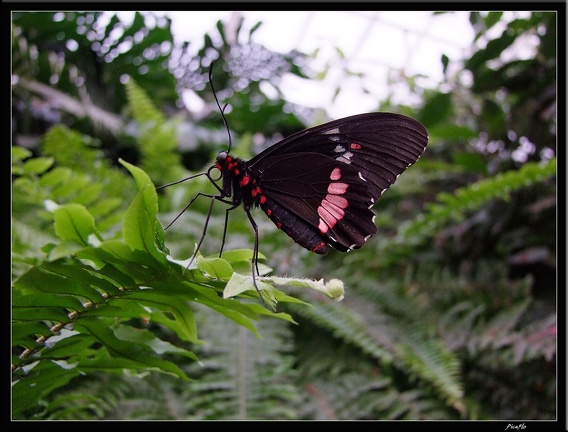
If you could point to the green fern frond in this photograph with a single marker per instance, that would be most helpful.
(535, 341)
(143, 109)
(241, 376)
(69, 148)
(89, 399)
(43, 183)
(425, 357)
(345, 325)
(430, 361)
(157, 137)
(356, 396)
(452, 207)
(517, 343)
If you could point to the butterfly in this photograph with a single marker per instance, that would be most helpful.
(318, 185)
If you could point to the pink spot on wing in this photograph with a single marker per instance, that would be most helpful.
(329, 213)
(336, 212)
(337, 188)
(331, 207)
(355, 146)
(339, 201)
(335, 174)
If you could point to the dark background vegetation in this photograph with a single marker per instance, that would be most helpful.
(450, 312)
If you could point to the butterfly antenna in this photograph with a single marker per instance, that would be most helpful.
(221, 110)
(181, 181)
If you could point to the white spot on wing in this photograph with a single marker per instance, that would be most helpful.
(345, 157)
(339, 149)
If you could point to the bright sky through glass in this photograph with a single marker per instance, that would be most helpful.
(384, 47)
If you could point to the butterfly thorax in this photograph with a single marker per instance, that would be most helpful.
(238, 181)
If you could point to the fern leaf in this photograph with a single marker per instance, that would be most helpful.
(454, 206)
(431, 361)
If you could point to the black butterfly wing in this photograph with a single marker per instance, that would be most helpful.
(318, 185)
(317, 201)
(379, 145)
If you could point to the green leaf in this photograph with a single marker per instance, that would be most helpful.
(472, 162)
(43, 378)
(492, 18)
(64, 249)
(239, 284)
(445, 62)
(235, 255)
(142, 182)
(493, 50)
(131, 265)
(452, 132)
(20, 153)
(436, 110)
(255, 28)
(82, 274)
(494, 115)
(37, 280)
(170, 303)
(70, 345)
(56, 176)
(138, 227)
(140, 221)
(38, 165)
(41, 299)
(125, 332)
(217, 268)
(74, 222)
(21, 330)
(40, 313)
(236, 311)
(138, 355)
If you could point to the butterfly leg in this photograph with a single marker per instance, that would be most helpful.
(254, 261)
(213, 198)
(234, 206)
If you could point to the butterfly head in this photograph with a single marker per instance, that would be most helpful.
(222, 159)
